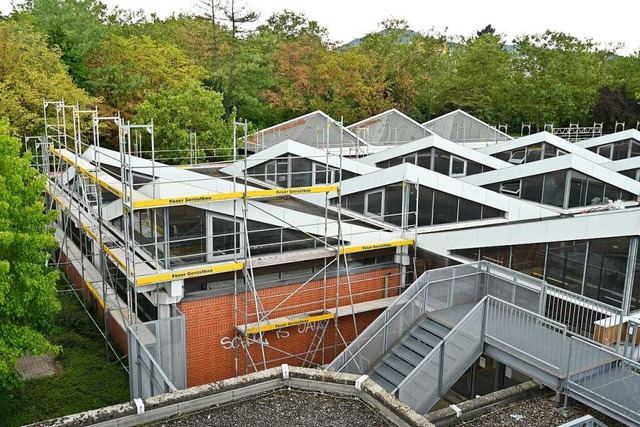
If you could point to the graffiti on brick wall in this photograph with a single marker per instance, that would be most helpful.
(232, 343)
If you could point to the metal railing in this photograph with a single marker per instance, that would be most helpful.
(513, 317)
(604, 379)
(437, 372)
(591, 319)
(157, 356)
(434, 290)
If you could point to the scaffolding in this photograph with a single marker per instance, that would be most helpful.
(125, 258)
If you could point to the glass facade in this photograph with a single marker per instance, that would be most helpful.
(618, 150)
(290, 171)
(595, 268)
(439, 161)
(530, 153)
(434, 207)
(551, 189)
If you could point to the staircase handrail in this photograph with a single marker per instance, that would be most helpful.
(374, 327)
(480, 305)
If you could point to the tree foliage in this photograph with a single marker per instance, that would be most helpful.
(124, 70)
(182, 109)
(27, 286)
(29, 73)
(74, 26)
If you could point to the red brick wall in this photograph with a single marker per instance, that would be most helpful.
(116, 333)
(213, 349)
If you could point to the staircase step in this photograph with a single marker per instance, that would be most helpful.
(436, 328)
(426, 337)
(417, 346)
(399, 364)
(382, 382)
(407, 354)
(389, 374)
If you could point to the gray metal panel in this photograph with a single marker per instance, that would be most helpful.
(389, 128)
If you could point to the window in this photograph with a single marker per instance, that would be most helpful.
(511, 188)
(393, 204)
(532, 188)
(411, 158)
(441, 162)
(445, 208)
(374, 203)
(458, 167)
(605, 151)
(424, 158)
(322, 175)
(553, 190)
(300, 172)
(518, 156)
(620, 150)
(270, 175)
(534, 153)
(283, 173)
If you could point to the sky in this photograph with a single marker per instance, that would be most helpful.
(602, 21)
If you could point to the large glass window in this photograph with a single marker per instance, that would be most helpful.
(565, 264)
(223, 237)
(606, 270)
(532, 188)
(620, 150)
(441, 161)
(553, 191)
(469, 211)
(498, 255)
(424, 158)
(393, 204)
(301, 172)
(458, 166)
(445, 209)
(374, 203)
(187, 231)
(578, 190)
(529, 259)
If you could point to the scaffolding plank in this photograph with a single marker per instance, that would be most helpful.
(361, 307)
(283, 322)
(105, 180)
(234, 195)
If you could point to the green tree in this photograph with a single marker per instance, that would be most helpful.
(179, 110)
(557, 78)
(124, 70)
(27, 286)
(29, 73)
(481, 76)
(75, 26)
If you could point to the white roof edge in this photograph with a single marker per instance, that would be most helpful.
(568, 161)
(437, 142)
(296, 148)
(608, 138)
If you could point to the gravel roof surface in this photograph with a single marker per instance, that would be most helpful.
(538, 412)
(285, 408)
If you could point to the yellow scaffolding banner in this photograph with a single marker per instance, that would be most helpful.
(279, 324)
(187, 274)
(375, 246)
(252, 194)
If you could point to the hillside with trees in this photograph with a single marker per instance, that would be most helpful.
(227, 67)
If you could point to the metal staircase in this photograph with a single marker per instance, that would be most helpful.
(412, 348)
(443, 322)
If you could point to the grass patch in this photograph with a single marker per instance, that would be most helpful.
(87, 379)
